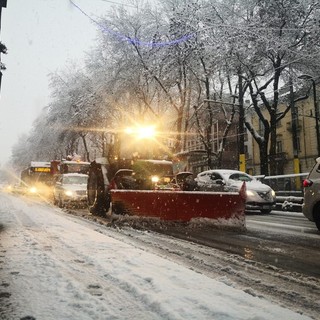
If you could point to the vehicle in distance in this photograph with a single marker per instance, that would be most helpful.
(70, 189)
(259, 195)
(36, 179)
(311, 202)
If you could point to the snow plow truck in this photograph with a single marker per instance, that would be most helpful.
(146, 188)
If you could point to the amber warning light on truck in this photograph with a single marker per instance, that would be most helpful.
(41, 169)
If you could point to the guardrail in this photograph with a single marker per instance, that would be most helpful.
(286, 182)
(288, 188)
(289, 201)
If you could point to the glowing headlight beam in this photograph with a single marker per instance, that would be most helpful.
(33, 190)
(155, 179)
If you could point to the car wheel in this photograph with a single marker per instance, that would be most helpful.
(316, 215)
(265, 211)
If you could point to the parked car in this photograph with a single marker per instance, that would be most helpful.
(259, 195)
(311, 202)
(70, 189)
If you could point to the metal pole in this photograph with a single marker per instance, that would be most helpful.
(316, 111)
(294, 127)
(315, 105)
(242, 156)
(3, 4)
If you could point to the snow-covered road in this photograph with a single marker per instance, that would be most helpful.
(58, 266)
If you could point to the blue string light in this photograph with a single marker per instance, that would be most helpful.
(130, 40)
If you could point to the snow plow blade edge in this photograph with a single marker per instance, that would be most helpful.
(179, 205)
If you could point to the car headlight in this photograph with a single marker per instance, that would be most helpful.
(155, 179)
(33, 190)
(273, 193)
(68, 193)
(250, 193)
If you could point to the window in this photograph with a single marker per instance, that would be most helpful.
(279, 146)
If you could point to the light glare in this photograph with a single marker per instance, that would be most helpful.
(146, 132)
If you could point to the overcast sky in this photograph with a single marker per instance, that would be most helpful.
(42, 36)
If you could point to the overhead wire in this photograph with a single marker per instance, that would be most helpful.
(184, 38)
(120, 4)
(137, 42)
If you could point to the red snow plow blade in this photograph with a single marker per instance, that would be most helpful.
(179, 205)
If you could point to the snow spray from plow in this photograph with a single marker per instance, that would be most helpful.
(181, 205)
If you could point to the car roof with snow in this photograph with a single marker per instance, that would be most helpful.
(74, 175)
(226, 173)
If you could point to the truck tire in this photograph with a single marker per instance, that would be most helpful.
(98, 198)
(60, 203)
(118, 208)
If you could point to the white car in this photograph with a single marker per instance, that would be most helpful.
(70, 189)
(259, 195)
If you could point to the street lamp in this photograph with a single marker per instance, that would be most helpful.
(316, 110)
(3, 4)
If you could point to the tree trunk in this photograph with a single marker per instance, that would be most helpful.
(83, 137)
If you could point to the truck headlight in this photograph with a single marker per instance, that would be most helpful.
(155, 179)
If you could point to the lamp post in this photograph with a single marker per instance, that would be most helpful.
(3, 4)
(316, 110)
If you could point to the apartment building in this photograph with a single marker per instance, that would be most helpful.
(305, 136)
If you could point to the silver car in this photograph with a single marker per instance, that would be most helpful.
(70, 189)
(311, 188)
(259, 195)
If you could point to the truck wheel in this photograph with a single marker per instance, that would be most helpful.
(60, 203)
(118, 208)
(98, 200)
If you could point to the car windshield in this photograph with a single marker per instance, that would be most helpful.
(75, 180)
(146, 168)
(240, 177)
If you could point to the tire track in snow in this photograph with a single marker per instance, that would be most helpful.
(292, 289)
(82, 274)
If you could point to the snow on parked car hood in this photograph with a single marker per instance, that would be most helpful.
(252, 185)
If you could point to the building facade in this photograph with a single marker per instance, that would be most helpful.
(304, 140)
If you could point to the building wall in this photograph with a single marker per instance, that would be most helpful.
(306, 135)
